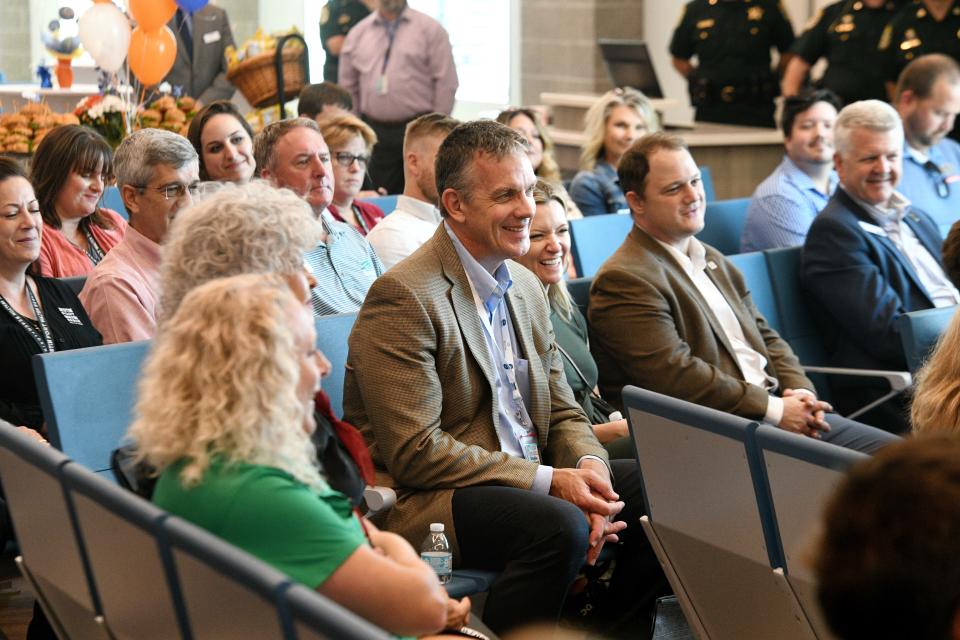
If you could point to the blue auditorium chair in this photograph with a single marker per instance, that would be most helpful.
(386, 203)
(706, 177)
(88, 398)
(333, 333)
(723, 224)
(799, 329)
(595, 238)
(799, 476)
(755, 272)
(112, 200)
(51, 557)
(920, 331)
(128, 563)
(713, 535)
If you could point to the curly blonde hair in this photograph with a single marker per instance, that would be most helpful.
(250, 228)
(221, 379)
(936, 396)
(595, 121)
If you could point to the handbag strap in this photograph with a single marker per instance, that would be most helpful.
(586, 384)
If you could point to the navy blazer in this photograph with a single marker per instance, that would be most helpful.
(860, 283)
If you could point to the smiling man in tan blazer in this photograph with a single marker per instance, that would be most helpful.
(455, 381)
(673, 315)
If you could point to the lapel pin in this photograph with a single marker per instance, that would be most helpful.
(711, 264)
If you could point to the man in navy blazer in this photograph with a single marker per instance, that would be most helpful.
(870, 257)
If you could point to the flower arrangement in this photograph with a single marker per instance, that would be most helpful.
(106, 114)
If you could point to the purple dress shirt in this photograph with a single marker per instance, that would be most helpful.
(122, 292)
(420, 73)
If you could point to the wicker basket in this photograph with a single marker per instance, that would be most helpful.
(256, 77)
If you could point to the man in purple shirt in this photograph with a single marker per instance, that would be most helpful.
(157, 174)
(398, 64)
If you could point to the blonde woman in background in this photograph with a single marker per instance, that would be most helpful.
(548, 258)
(225, 417)
(527, 122)
(614, 122)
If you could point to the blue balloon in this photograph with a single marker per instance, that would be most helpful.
(191, 6)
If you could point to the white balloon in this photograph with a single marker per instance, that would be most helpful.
(105, 34)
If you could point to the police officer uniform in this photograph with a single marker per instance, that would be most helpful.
(913, 32)
(336, 19)
(847, 33)
(733, 83)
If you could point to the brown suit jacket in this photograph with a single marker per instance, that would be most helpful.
(420, 386)
(651, 327)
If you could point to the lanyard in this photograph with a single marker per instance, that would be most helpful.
(360, 220)
(46, 340)
(94, 251)
(523, 431)
(391, 34)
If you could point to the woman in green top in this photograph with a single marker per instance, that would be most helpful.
(548, 258)
(225, 416)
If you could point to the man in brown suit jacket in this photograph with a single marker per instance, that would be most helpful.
(670, 314)
(455, 381)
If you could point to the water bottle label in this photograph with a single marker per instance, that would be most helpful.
(440, 561)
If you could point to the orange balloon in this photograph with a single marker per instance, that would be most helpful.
(152, 54)
(152, 14)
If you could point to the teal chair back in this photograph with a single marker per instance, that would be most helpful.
(595, 238)
(333, 333)
(723, 224)
(88, 398)
(920, 331)
(112, 200)
(579, 289)
(755, 272)
(706, 177)
(386, 203)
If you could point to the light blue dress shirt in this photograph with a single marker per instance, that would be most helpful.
(782, 208)
(919, 183)
(491, 289)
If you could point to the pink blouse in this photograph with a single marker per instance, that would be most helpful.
(60, 258)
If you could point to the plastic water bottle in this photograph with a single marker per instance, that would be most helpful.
(436, 552)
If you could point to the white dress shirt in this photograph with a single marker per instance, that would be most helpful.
(928, 269)
(404, 230)
(752, 364)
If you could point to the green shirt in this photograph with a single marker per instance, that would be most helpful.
(303, 533)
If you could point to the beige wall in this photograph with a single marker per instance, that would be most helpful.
(558, 50)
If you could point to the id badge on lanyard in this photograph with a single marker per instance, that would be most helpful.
(528, 442)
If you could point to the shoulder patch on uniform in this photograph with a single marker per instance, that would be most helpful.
(885, 38)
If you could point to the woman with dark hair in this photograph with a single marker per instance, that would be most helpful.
(37, 314)
(224, 142)
(71, 167)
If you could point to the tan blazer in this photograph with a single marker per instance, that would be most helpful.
(651, 327)
(420, 386)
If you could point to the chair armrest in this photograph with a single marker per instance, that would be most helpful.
(379, 499)
(898, 380)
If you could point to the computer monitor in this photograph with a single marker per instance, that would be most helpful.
(629, 65)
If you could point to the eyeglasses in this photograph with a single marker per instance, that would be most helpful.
(177, 191)
(939, 180)
(345, 158)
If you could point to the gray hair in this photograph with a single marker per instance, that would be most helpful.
(458, 151)
(265, 142)
(142, 150)
(874, 115)
(251, 228)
